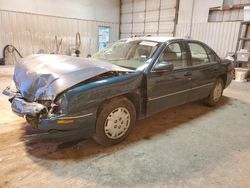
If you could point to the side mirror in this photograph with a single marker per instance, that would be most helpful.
(163, 66)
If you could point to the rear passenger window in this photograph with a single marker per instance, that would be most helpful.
(173, 54)
(212, 56)
(198, 53)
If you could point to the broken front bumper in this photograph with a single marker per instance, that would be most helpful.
(83, 121)
(21, 107)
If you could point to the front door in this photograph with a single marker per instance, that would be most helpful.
(170, 88)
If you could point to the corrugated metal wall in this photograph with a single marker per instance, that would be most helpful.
(148, 17)
(221, 36)
(235, 2)
(226, 15)
(31, 32)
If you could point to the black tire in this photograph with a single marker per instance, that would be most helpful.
(215, 94)
(32, 121)
(105, 119)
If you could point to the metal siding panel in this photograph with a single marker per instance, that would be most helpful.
(139, 5)
(152, 16)
(151, 27)
(222, 37)
(124, 36)
(241, 14)
(231, 35)
(153, 5)
(166, 27)
(219, 16)
(167, 15)
(146, 14)
(212, 16)
(138, 28)
(167, 4)
(215, 37)
(208, 30)
(126, 28)
(165, 34)
(227, 2)
(126, 18)
(152, 34)
(126, 6)
(187, 30)
(235, 14)
(30, 32)
(225, 41)
(221, 40)
(139, 17)
(227, 15)
(236, 27)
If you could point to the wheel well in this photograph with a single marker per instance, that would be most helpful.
(133, 97)
(224, 78)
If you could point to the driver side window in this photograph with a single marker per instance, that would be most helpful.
(173, 53)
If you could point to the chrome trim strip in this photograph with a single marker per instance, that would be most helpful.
(75, 117)
(163, 96)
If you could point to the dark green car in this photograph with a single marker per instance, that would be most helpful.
(103, 96)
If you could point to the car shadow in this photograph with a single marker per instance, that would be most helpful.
(146, 129)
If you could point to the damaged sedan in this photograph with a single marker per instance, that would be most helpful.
(103, 96)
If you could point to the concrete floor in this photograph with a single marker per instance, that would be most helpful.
(188, 146)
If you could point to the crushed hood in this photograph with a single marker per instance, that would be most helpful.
(43, 77)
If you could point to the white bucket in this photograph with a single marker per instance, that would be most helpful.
(241, 74)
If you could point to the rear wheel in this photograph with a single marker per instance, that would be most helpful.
(216, 93)
(115, 120)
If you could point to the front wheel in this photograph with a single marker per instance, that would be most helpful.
(115, 120)
(216, 93)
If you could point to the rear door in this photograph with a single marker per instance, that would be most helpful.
(171, 88)
(204, 67)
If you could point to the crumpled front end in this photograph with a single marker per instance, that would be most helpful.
(43, 76)
(40, 115)
(40, 83)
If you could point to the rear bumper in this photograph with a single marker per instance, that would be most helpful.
(230, 76)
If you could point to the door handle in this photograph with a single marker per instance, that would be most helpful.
(214, 68)
(188, 73)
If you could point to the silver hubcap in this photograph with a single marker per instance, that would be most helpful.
(217, 92)
(117, 123)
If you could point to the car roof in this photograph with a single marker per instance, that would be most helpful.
(155, 39)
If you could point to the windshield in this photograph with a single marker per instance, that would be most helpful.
(129, 54)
